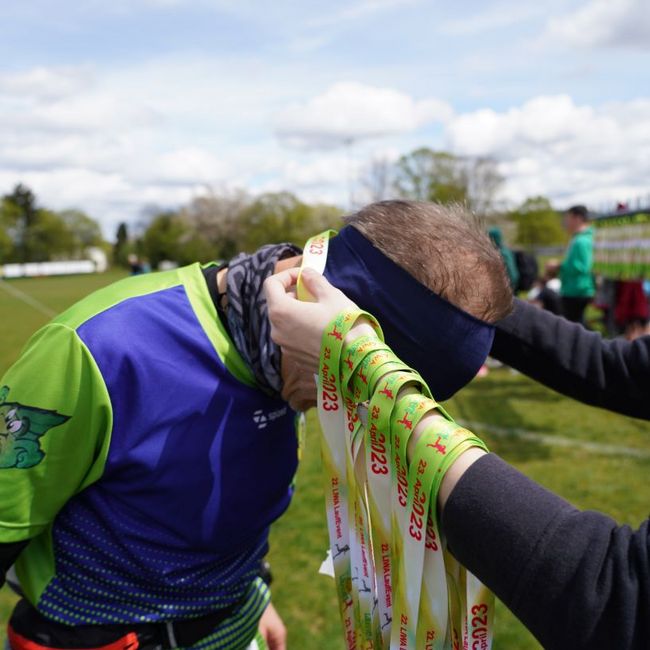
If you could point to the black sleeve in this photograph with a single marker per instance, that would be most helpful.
(612, 374)
(575, 579)
(8, 555)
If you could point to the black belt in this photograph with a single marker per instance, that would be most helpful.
(180, 633)
(29, 623)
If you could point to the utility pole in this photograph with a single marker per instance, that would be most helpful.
(347, 143)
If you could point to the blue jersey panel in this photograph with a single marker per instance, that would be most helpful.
(199, 466)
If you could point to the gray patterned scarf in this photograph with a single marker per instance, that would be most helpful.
(247, 313)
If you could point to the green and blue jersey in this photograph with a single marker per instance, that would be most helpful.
(139, 458)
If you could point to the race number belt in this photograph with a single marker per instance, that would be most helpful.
(27, 625)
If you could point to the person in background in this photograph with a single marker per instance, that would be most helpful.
(134, 264)
(508, 256)
(576, 579)
(631, 311)
(546, 292)
(578, 287)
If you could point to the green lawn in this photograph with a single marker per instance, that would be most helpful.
(20, 319)
(506, 404)
(610, 483)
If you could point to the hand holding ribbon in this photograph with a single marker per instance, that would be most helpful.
(397, 585)
(297, 326)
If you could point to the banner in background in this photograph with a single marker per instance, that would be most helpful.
(622, 246)
(35, 269)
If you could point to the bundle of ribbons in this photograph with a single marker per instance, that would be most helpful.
(398, 587)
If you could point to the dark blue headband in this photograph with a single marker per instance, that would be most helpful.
(442, 342)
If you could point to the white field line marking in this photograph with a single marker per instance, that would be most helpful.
(555, 441)
(27, 299)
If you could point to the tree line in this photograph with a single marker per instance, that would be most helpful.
(29, 233)
(218, 225)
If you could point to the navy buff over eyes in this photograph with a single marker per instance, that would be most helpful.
(442, 342)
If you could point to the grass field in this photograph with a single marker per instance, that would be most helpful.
(508, 408)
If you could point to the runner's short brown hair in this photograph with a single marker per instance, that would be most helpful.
(445, 248)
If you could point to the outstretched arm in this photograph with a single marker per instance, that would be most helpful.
(575, 361)
(575, 579)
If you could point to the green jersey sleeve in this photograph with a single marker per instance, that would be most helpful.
(55, 423)
(579, 258)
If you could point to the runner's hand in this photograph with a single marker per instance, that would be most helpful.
(272, 629)
(298, 326)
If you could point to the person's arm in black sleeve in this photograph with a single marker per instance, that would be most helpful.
(574, 361)
(575, 579)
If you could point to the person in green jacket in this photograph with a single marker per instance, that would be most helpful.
(578, 286)
(508, 256)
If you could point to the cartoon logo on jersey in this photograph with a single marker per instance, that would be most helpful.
(20, 429)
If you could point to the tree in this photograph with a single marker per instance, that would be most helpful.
(170, 236)
(29, 233)
(121, 246)
(22, 204)
(378, 180)
(9, 218)
(218, 227)
(484, 182)
(323, 217)
(161, 240)
(86, 231)
(6, 245)
(427, 175)
(217, 219)
(281, 217)
(48, 237)
(538, 224)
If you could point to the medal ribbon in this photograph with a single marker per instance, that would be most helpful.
(398, 587)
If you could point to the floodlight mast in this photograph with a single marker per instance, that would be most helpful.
(348, 141)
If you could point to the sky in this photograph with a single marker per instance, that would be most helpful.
(119, 106)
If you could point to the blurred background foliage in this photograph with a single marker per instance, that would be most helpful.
(219, 224)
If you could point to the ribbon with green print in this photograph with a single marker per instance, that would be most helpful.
(397, 585)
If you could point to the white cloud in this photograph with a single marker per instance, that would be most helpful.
(93, 112)
(349, 111)
(93, 142)
(44, 84)
(61, 151)
(540, 121)
(552, 146)
(126, 6)
(65, 100)
(624, 23)
(77, 146)
(495, 17)
(332, 170)
(111, 141)
(189, 166)
(356, 10)
(117, 197)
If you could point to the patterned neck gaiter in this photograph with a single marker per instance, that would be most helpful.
(247, 312)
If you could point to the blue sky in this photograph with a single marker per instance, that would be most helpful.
(115, 106)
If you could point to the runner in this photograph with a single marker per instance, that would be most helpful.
(133, 423)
